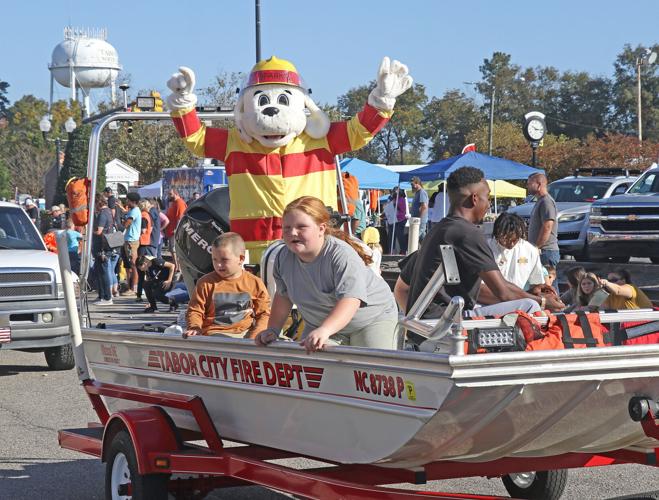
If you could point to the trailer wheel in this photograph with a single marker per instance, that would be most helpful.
(545, 485)
(122, 481)
(60, 357)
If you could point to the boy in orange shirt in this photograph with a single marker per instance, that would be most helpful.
(228, 301)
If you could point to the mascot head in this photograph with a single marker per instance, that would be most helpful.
(273, 106)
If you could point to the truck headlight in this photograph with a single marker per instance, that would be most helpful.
(76, 290)
(60, 291)
(571, 217)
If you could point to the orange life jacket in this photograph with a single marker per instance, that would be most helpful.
(50, 239)
(578, 330)
(351, 188)
(77, 194)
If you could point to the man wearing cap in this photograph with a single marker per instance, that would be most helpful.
(132, 233)
(276, 153)
(57, 218)
(420, 206)
(32, 211)
(111, 200)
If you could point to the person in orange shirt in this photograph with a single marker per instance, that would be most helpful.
(228, 301)
(175, 211)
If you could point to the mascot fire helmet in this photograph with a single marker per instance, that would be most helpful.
(274, 70)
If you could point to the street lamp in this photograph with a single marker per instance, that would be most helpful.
(648, 58)
(45, 127)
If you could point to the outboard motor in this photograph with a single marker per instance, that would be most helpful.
(204, 220)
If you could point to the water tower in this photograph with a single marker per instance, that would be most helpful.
(84, 60)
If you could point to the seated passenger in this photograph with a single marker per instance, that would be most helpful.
(469, 196)
(326, 275)
(549, 274)
(228, 301)
(518, 260)
(573, 276)
(158, 276)
(622, 293)
(590, 295)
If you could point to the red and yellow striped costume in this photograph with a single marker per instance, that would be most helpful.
(262, 181)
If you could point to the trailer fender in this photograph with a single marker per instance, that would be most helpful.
(151, 430)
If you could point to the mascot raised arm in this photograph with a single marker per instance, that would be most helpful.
(283, 145)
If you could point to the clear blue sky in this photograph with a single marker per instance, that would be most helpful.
(336, 45)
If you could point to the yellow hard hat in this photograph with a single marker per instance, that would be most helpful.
(274, 70)
(371, 235)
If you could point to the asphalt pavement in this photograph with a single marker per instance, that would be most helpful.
(36, 402)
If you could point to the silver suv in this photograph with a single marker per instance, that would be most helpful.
(32, 312)
(573, 196)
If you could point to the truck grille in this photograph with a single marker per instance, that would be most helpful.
(628, 226)
(574, 235)
(16, 284)
(630, 210)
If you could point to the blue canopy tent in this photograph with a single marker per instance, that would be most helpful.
(371, 176)
(493, 167)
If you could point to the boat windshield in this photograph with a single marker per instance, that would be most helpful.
(649, 183)
(577, 191)
(17, 231)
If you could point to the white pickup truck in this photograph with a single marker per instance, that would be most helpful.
(33, 316)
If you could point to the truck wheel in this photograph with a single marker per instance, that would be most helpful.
(122, 481)
(545, 485)
(60, 358)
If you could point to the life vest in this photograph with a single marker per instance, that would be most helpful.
(637, 332)
(579, 330)
(50, 239)
(351, 189)
(77, 194)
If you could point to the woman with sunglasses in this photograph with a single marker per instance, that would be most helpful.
(622, 293)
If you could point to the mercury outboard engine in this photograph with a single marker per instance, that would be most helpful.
(204, 220)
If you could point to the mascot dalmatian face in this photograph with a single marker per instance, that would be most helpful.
(273, 107)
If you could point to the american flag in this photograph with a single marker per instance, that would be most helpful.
(5, 334)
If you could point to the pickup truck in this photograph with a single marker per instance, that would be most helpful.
(627, 225)
(33, 315)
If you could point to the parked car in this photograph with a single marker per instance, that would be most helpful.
(628, 225)
(32, 311)
(573, 196)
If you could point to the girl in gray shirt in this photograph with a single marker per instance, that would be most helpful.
(325, 274)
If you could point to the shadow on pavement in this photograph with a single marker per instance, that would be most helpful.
(6, 370)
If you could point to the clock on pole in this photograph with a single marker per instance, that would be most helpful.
(534, 130)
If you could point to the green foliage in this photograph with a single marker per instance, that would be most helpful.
(75, 161)
(4, 102)
(5, 182)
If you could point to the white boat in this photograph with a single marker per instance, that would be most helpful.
(394, 408)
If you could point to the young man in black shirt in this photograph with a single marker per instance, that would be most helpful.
(469, 196)
(158, 276)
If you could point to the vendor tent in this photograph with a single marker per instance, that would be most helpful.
(492, 166)
(153, 190)
(503, 189)
(371, 176)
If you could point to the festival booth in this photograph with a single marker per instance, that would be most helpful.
(493, 167)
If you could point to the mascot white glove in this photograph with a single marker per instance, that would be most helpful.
(182, 84)
(393, 79)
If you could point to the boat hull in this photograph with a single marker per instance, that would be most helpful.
(394, 408)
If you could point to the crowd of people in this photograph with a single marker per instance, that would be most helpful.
(334, 278)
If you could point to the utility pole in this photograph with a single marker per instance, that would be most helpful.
(257, 5)
(490, 131)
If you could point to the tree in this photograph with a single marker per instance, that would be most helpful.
(401, 140)
(5, 182)
(4, 102)
(448, 120)
(625, 93)
(75, 161)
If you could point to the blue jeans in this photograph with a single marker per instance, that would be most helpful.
(112, 266)
(550, 257)
(102, 275)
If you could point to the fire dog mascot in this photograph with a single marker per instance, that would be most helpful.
(283, 145)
